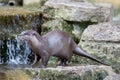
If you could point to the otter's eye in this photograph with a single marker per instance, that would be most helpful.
(26, 34)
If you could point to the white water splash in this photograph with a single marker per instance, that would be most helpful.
(17, 52)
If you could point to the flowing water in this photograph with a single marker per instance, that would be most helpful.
(14, 51)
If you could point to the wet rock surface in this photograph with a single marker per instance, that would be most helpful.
(13, 20)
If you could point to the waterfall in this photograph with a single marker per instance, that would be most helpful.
(14, 51)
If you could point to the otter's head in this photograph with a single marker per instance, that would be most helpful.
(28, 35)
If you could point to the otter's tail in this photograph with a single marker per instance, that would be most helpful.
(80, 52)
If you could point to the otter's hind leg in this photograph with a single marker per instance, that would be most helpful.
(62, 62)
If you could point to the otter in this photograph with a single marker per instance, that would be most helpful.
(55, 43)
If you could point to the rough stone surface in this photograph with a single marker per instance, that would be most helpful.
(102, 40)
(116, 19)
(13, 75)
(90, 72)
(34, 3)
(28, 2)
(78, 11)
(113, 77)
(102, 32)
(74, 29)
(13, 20)
(53, 24)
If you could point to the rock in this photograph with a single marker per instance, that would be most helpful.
(107, 32)
(13, 20)
(13, 75)
(116, 19)
(78, 11)
(66, 1)
(90, 72)
(2, 4)
(34, 3)
(113, 77)
(53, 24)
(72, 28)
(102, 40)
(77, 30)
(28, 2)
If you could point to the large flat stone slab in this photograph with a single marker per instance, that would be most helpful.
(103, 41)
(106, 32)
(78, 11)
(113, 77)
(89, 72)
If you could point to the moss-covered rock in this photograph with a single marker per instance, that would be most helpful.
(13, 20)
(70, 73)
(53, 24)
(113, 77)
(13, 75)
(89, 72)
(74, 29)
(78, 11)
(102, 41)
(34, 3)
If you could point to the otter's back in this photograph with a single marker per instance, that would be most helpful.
(57, 41)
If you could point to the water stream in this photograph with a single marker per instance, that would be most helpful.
(14, 51)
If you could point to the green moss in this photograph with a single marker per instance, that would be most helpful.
(96, 75)
(13, 20)
(13, 75)
(58, 75)
(48, 12)
(71, 75)
(53, 24)
(116, 11)
(4, 11)
(106, 52)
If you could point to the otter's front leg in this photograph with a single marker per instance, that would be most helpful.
(44, 58)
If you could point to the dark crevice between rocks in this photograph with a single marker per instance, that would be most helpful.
(83, 25)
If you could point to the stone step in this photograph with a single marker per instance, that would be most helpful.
(89, 72)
